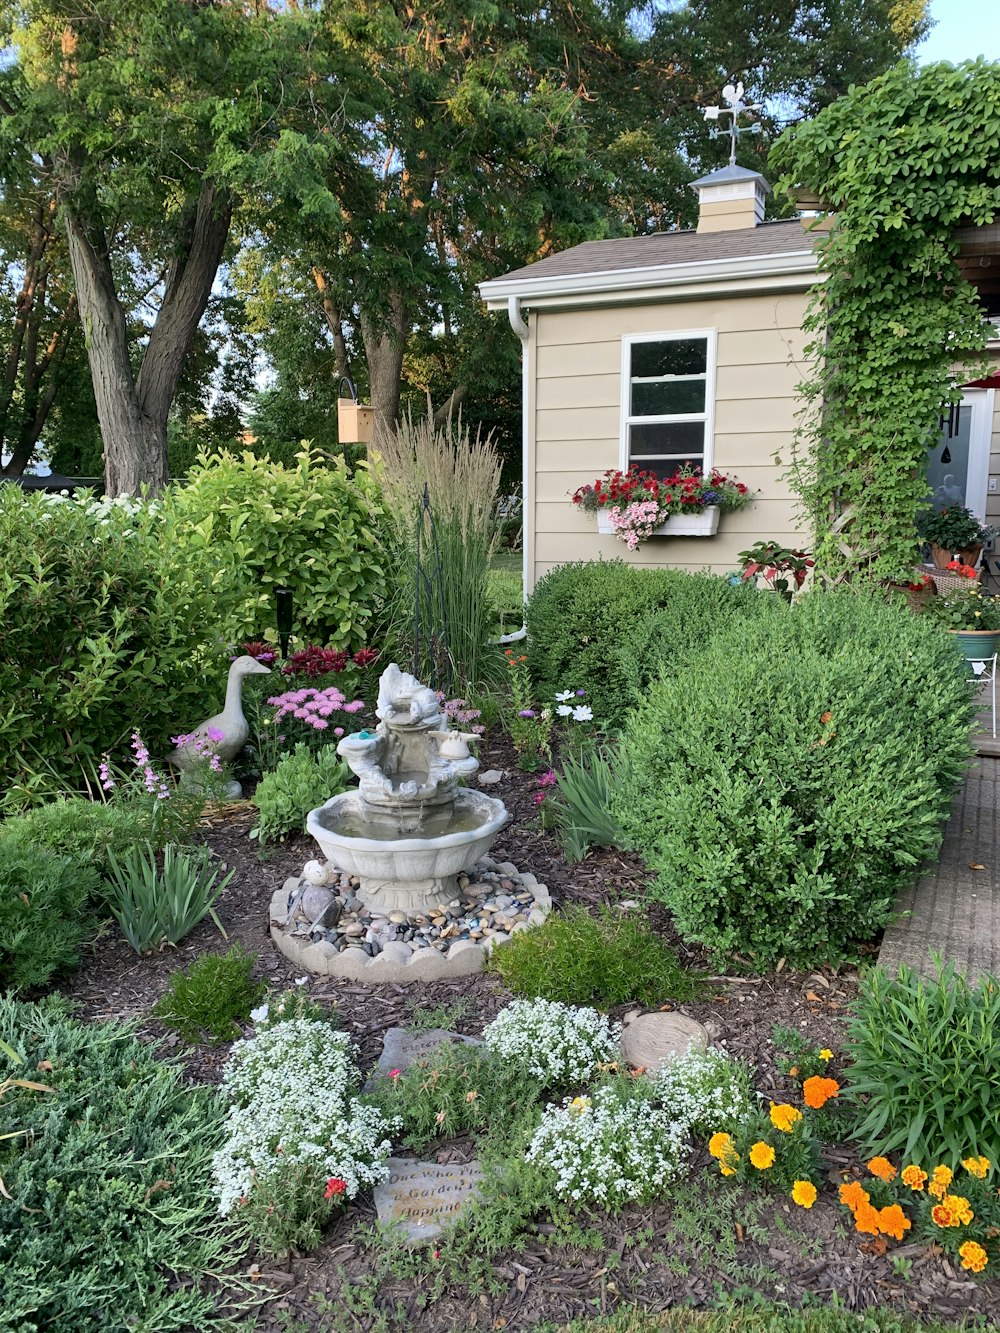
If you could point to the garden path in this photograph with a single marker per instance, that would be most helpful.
(955, 906)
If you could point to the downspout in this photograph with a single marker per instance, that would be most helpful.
(520, 327)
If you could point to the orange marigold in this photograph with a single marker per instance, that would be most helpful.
(720, 1144)
(914, 1177)
(866, 1219)
(785, 1117)
(853, 1194)
(883, 1168)
(816, 1091)
(960, 1207)
(940, 1180)
(943, 1216)
(976, 1166)
(892, 1221)
(804, 1193)
(973, 1256)
(762, 1155)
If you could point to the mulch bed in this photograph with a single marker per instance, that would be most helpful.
(765, 1243)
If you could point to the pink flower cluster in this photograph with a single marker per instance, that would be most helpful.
(543, 780)
(204, 745)
(314, 707)
(155, 784)
(636, 521)
(459, 711)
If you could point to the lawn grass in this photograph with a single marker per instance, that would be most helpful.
(763, 1319)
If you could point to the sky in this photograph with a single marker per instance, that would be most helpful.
(963, 30)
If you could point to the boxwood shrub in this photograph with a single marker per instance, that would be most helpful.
(795, 773)
(610, 628)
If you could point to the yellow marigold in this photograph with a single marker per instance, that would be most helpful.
(892, 1221)
(762, 1155)
(976, 1166)
(883, 1168)
(973, 1256)
(853, 1194)
(826, 1055)
(914, 1177)
(720, 1144)
(960, 1207)
(943, 1215)
(940, 1180)
(816, 1091)
(728, 1170)
(804, 1193)
(866, 1219)
(785, 1117)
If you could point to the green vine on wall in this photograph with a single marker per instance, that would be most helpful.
(896, 329)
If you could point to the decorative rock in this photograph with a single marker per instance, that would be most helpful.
(399, 918)
(491, 777)
(315, 872)
(397, 952)
(422, 1197)
(651, 1040)
(400, 1048)
(354, 929)
(316, 901)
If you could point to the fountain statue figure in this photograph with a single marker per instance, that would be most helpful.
(410, 829)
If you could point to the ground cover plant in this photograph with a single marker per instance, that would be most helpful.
(604, 960)
(925, 1066)
(46, 902)
(88, 830)
(209, 998)
(763, 1317)
(107, 1219)
(784, 802)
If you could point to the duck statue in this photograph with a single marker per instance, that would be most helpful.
(228, 731)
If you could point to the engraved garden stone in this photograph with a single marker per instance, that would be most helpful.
(422, 1198)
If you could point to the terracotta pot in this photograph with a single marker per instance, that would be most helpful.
(941, 556)
(971, 554)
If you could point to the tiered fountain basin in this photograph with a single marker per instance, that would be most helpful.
(407, 864)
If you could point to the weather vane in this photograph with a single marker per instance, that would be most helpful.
(733, 94)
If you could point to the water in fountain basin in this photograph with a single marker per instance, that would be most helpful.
(383, 826)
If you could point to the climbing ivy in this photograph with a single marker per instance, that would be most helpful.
(896, 330)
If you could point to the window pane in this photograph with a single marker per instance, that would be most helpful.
(679, 356)
(686, 439)
(668, 398)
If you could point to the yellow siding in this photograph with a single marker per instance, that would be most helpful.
(993, 497)
(575, 414)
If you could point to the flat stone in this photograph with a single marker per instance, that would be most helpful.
(491, 777)
(396, 951)
(422, 1198)
(400, 1048)
(651, 1040)
(398, 918)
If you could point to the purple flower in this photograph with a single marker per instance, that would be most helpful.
(107, 782)
(580, 693)
(215, 735)
(538, 797)
(547, 779)
(526, 712)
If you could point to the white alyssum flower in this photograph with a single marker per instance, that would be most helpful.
(707, 1088)
(556, 1043)
(292, 1095)
(615, 1147)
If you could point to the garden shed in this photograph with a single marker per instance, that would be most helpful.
(687, 347)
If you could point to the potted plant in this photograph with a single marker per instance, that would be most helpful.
(637, 504)
(783, 569)
(972, 617)
(953, 532)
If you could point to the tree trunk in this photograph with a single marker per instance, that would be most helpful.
(385, 342)
(132, 411)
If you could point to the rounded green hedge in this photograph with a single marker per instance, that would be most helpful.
(794, 775)
(609, 628)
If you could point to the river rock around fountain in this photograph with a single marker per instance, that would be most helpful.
(320, 924)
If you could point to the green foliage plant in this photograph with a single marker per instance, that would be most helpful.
(109, 623)
(925, 1065)
(610, 629)
(443, 610)
(211, 997)
(963, 609)
(161, 898)
(83, 829)
(581, 804)
(795, 775)
(300, 782)
(454, 1090)
(605, 960)
(953, 528)
(109, 1210)
(313, 527)
(902, 162)
(783, 569)
(46, 899)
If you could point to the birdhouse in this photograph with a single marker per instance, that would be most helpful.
(355, 421)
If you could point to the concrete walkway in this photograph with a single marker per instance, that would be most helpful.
(954, 908)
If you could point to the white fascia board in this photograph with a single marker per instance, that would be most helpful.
(627, 282)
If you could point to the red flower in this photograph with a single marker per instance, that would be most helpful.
(335, 1186)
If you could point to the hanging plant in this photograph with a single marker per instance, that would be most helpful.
(902, 162)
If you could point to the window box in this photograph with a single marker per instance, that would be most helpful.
(705, 523)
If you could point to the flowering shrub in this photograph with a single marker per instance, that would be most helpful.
(958, 1212)
(612, 1147)
(559, 1045)
(299, 1142)
(966, 608)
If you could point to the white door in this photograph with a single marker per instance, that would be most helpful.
(958, 463)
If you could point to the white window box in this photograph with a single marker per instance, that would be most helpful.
(703, 524)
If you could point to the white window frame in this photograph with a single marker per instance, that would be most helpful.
(711, 337)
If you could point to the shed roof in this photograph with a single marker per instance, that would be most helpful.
(662, 249)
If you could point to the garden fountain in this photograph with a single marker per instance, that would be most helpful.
(408, 852)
